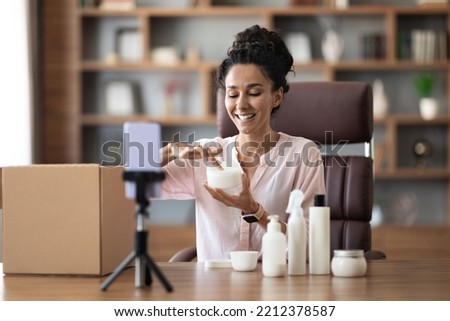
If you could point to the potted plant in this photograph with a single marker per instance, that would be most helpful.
(424, 84)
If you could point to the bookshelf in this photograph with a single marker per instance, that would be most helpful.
(207, 29)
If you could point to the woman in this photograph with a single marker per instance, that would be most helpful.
(253, 77)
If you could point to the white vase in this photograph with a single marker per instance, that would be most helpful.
(380, 101)
(332, 46)
(429, 108)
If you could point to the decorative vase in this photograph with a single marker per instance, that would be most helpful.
(380, 101)
(332, 46)
(429, 108)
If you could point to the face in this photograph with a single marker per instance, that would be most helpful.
(249, 99)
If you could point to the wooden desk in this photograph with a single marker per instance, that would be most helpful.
(385, 280)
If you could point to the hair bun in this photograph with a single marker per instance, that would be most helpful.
(256, 45)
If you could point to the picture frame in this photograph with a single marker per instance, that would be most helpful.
(120, 98)
(129, 45)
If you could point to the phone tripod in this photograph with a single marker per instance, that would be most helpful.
(144, 264)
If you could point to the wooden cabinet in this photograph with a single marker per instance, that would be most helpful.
(181, 94)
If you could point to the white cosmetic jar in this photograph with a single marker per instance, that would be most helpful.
(225, 178)
(348, 263)
(244, 261)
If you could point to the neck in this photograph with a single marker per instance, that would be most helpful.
(250, 145)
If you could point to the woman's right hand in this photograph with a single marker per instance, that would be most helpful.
(188, 151)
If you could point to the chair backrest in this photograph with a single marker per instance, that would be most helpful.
(337, 111)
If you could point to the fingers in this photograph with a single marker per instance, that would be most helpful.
(220, 195)
(210, 154)
(214, 162)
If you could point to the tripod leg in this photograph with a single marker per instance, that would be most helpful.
(117, 271)
(148, 276)
(153, 267)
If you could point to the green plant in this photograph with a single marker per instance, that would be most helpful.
(424, 84)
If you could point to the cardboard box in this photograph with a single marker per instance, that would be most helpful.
(1, 192)
(65, 219)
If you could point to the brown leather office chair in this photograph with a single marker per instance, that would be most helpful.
(328, 113)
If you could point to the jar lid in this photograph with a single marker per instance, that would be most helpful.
(348, 253)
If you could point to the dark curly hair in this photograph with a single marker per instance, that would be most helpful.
(263, 48)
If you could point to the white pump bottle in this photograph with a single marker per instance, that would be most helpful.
(296, 235)
(274, 249)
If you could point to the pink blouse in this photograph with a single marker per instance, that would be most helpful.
(294, 163)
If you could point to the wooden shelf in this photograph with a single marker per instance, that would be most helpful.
(413, 173)
(102, 120)
(274, 11)
(143, 66)
(412, 120)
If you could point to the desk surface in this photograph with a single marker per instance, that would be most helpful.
(385, 280)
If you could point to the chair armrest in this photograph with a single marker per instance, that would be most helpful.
(374, 255)
(185, 255)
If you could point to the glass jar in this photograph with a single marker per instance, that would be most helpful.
(348, 263)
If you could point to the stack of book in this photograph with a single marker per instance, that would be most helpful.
(433, 1)
(117, 4)
(423, 45)
(88, 3)
(373, 46)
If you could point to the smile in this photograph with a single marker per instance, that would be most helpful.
(245, 116)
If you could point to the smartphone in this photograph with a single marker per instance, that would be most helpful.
(141, 144)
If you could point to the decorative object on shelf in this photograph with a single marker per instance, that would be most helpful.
(429, 106)
(117, 4)
(304, 2)
(422, 150)
(332, 42)
(332, 46)
(174, 93)
(380, 156)
(128, 44)
(169, 55)
(165, 3)
(120, 98)
(341, 4)
(299, 44)
(192, 54)
(88, 3)
(112, 58)
(404, 208)
(377, 215)
(432, 1)
(380, 101)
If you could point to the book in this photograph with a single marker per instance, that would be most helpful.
(433, 2)
(117, 4)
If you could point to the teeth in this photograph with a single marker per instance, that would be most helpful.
(247, 116)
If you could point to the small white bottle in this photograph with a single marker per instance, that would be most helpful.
(319, 237)
(296, 236)
(274, 249)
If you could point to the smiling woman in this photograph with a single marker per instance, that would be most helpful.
(15, 111)
(253, 78)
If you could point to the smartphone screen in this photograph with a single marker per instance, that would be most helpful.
(141, 144)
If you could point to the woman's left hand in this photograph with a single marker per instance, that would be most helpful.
(243, 201)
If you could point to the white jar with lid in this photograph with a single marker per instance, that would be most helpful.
(348, 263)
(228, 178)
